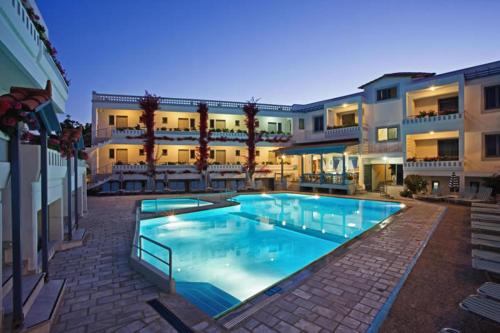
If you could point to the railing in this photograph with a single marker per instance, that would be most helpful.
(224, 167)
(324, 178)
(54, 158)
(119, 132)
(433, 164)
(382, 147)
(351, 132)
(431, 119)
(167, 262)
(130, 99)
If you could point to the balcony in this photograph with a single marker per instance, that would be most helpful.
(423, 165)
(343, 133)
(26, 55)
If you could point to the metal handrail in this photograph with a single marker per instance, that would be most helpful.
(169, 250)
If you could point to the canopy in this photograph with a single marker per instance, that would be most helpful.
(313, 149)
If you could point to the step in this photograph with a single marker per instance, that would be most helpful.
(6, 279)
(44, 310)
(483, 210)
(31, 286)
(78, 238)
(492, 227)
(486, 205)
(53, 246)
(486, 265)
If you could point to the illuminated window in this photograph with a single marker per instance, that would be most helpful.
(387, 93)
(387, 133)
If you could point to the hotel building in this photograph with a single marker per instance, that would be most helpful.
(25, 61)
(396, 125)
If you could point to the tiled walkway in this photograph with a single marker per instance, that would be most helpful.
(105, 295)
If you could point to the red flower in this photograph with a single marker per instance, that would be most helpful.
(9, 121)
(18, 106)
(4, 107)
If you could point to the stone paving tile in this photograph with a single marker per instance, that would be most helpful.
(103, 294)
(348, 292)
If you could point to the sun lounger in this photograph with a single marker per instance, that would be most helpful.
(486, 226)
(160, 186)
(241, 185)
(176, 186)
(490, 289)
(483, 195)
(115, 187)
(485, 210)
(485, 217)
(486, 255)
(485, 240)
(486, 265)
(482, 306)
(106, 188)
(436, 194)
(485, 205)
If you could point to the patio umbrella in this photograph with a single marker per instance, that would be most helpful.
(454, 183)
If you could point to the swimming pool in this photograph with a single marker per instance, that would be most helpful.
(223, 256)
(166, 204)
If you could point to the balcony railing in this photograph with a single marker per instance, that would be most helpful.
(431, 119)
(448, 165)
(324, 178)
(351, 132)
(130, 99)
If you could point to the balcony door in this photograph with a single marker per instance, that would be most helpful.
(183, 123)
(121, 121)
(220, 124)
(448, 149)
(220, 156)
(122, 156)
(183, 156)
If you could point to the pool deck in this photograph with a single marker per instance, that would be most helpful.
(346, 293)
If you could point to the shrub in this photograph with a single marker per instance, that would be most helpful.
(405, 193)
(493, 182)
(415, 183)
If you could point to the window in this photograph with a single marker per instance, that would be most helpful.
(164, 120)
(141, 152)
(280, 127)
(192, 123)
(474, 186)
(111, 120)
(237, 153)
(388, 133)
(257, 153)
(318, 124)
(492, 97)
(237, 123)
(448, 105)
(492, 145)
(387, 93)
(192, 154)
(448, 149)
(111, 154)
(212, 123)
(302, 124)
(164, 152)
(271, 127)
(212, 154)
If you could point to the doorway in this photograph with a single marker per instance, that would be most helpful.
(122, 156)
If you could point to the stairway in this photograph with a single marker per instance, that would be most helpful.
(40, 301)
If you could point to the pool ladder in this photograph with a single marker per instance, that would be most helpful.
(167, 261)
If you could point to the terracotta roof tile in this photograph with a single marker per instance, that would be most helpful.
(30, 98)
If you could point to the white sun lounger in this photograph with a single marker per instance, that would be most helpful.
(486, 255)
(486, 226)
(485, 217)
(490, 289)
(486, 265)
(485, 240)
(482, 306)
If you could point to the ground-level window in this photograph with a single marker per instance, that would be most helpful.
(318, 124)
(492, 145)
(387, 93)
(302, 124)
(111, 120)
(492, 97)
(111, 153)
(388, 133)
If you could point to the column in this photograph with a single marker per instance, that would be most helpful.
(343, 169)
(68, 186)
(44, 203)
(321, 174)
(302, 168)
(56, 220)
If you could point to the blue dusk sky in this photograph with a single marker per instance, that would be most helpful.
(280, 51)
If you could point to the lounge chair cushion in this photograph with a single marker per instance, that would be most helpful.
(490, 289)
(483, 307)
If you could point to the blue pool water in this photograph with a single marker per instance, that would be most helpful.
(224, 256)
(162, 205)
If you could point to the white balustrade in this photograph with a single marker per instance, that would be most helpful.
(343, 133)
(449, 165)
(432, 119)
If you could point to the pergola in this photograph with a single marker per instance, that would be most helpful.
(321, 179)
(37, 103)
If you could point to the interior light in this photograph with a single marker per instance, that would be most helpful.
(432, 88)
(304, 227)
(431, 132)
(344, 105)
(384, 158)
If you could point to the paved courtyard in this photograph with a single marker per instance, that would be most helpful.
(345, 294)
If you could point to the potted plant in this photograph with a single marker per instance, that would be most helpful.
(415, 183)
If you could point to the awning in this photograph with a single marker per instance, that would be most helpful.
(313, 149)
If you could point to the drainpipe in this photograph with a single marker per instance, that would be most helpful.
(15, 171)
(75, 168)
(44, 190)
(68, 182)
